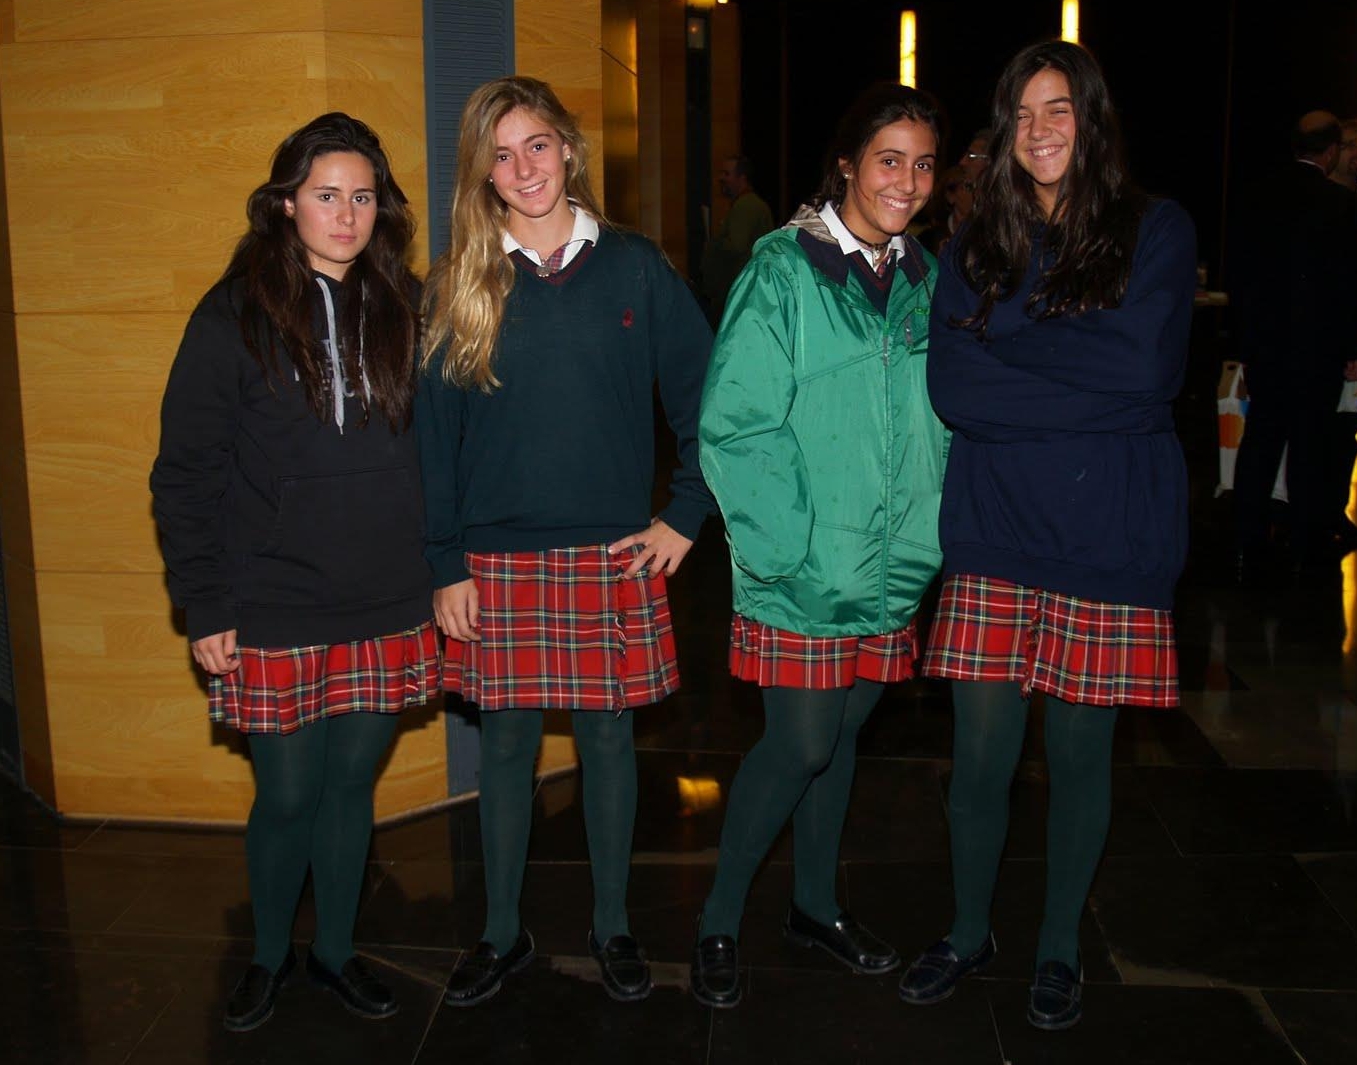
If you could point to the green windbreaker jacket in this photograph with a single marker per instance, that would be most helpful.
(818, 439)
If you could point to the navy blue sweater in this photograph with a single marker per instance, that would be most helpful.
(1065, 471)
(562, 454)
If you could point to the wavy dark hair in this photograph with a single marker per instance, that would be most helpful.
(1091, 234)
(880, 106)
(377, 317)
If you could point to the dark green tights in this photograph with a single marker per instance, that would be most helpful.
(312, 808)
(991, 719)
(509, 743)
(801, 768)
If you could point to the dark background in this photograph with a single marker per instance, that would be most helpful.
(1207, 91)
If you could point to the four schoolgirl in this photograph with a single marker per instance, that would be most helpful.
(288, 496)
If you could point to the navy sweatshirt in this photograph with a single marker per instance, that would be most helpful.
(562, 454)
(273, 522)
(1065, 472)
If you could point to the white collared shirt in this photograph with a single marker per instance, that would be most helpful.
(850, 243)
(585, 231)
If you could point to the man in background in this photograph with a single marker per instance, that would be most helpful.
(748, 218)
(1292, 279)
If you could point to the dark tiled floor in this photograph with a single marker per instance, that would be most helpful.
(1222, 925)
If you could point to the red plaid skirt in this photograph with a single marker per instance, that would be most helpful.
(282, 689)
(773, 657)
(1081, 651)
(561, 628)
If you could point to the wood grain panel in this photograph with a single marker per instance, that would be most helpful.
(107, 155)
(109, 354)
(380, 79)
(74, 20)
(401, 19)
(88, 464)
(662, 109)
(561, 42)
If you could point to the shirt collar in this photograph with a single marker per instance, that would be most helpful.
(849, 243)
(585, 229)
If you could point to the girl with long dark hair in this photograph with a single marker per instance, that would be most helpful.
(547, 329)
(826, 459)
(1059, 336)
(287, 495)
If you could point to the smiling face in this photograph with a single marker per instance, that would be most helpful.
(1044, 142)
(335, 209)
(891, 180)
(529, 173)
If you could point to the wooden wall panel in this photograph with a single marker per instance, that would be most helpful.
(621, 162)
(661, 83)
(74, 20)
(114, 147)
(561, 42)
(370, 77)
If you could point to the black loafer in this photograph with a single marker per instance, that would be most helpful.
(626, 973)
(482, 972)
(1056, 1000)
(935, 973)
(845, 939)
(716, 972)
(360, 991)
(251, 1002)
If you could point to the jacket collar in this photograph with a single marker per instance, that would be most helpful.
(828, 245)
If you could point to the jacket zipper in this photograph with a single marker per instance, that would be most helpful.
(890, 480)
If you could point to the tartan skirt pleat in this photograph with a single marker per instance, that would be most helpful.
(564, 629)
(773, 657)
(281, 689)
(1079, 650)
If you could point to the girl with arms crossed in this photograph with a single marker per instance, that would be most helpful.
(1060, 334)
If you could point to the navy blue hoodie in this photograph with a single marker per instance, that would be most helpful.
(291, 530)
(1065, 472)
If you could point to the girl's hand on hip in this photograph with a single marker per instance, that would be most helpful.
(662, 549)
(457, 610)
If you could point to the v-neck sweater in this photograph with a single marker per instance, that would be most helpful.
(562, 453)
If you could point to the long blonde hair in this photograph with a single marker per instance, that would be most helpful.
(469, 283)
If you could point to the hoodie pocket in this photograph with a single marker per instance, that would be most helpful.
(343, 539)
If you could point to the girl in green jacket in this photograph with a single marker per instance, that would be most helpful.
(818, 440)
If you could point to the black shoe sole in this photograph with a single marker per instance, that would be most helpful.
(1036, 1021)
(803, 940)
(617, 995)
(357, 1011)
(494, 988)
(247, 1027)
(718, 1004)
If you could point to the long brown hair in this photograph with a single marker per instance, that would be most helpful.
(1091, 234)
(469, 283)
(377, 321)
